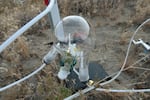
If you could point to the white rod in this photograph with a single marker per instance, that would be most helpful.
(81, 61)
(23, 79)
(74, 69)
(79, 93)
(123, 91)
(26, 27)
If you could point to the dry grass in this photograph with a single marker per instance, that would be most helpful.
(22, 48)
(142, 10)
(89, 8)
(45, 85)
(124, 38)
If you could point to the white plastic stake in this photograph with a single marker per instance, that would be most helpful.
(54, 14)
(140, 41)
(55, 19)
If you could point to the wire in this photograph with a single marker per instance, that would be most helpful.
(118, 73)
(90, 88)
(127, 54)
(23, 79)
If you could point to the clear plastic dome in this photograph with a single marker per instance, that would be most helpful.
(76, 26)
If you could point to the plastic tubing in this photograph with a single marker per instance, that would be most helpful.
(79, 93)
(23, 79)
(107, 82)
(26, 26)
(123, 91)
(16, 35)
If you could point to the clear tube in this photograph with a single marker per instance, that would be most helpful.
(83, 69)
(51, 54)
(23, 79)
(63, 72)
